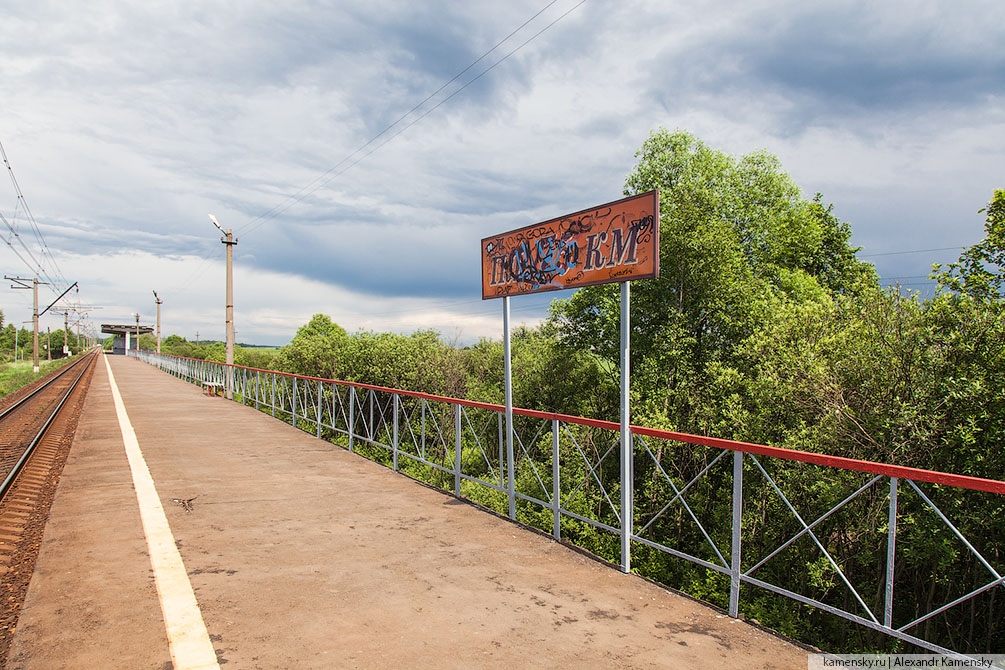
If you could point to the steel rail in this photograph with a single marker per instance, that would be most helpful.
(9, 480)
(41, 388)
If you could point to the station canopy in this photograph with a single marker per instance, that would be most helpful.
(115, 329)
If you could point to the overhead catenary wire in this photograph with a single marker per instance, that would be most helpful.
(39, 268)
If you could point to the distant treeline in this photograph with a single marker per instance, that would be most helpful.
(12, 338)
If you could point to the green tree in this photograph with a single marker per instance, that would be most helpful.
(980, 270)
(736, 240)
(546, 375)
(314, 349)
(968, 320)
(881, 376)
(852, 375)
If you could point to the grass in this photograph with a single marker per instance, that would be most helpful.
(263, 350)
(15, 375)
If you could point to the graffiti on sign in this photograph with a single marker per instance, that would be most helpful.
(615, 242)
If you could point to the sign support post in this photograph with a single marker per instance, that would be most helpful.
(627, 478)
(508, 385)
(616, 242)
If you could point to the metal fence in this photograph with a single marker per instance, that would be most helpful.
(704, 517)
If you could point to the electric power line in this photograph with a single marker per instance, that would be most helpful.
(913, 251)
(43, 247)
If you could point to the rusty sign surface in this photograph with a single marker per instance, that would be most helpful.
(614, 242)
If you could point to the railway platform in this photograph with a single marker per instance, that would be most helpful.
(300, 554)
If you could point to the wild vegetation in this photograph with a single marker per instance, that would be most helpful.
(16, 355)
(765, 327)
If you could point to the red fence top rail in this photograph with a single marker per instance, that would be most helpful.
(916, 474)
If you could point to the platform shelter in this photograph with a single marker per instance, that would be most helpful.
(126, 336)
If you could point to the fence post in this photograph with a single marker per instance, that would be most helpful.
(352, 413)
(319, 408)
(394, 437)
(734, 572)
(457, 450)
(502, 445)
(258, 389)
(556, 496)
(370, 431)
(294, 403)
(334, 410)
(273, 394)
(891, 553)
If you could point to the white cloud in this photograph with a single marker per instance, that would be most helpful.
(126, 124)
(268, 305)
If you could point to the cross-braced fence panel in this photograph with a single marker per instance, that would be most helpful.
(874, 558)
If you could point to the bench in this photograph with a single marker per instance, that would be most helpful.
(211, 388)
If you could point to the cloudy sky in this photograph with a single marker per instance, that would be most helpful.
(126, 123)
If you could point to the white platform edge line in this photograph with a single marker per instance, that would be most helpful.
(191, 648)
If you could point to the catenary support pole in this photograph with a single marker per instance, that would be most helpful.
(34, 320)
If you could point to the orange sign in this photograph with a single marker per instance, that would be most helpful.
(615, 242)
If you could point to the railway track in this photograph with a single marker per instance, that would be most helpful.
(35, 434)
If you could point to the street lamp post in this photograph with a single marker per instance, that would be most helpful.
(229, 241)
(159, 301)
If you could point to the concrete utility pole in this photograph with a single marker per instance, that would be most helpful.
(66, 327)
(159, 301)
(229, 241)
(48, 343)
(34, 323)
(22, 283)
